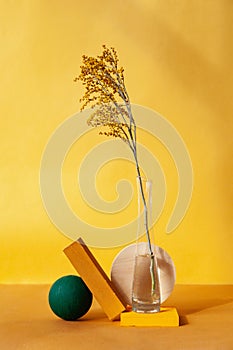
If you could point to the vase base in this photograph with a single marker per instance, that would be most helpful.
(145, 307)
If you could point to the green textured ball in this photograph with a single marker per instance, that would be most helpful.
(69, 298)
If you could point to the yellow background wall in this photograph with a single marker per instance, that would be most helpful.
(178, 57)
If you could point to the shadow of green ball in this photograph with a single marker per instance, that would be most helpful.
(70, 298)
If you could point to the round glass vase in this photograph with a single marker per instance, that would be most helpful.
(146, 286)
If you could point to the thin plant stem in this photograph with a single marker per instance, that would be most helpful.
(145, 213)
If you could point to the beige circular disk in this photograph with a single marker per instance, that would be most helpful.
(123, 269)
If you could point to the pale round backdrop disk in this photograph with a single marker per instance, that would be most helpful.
(123, 268)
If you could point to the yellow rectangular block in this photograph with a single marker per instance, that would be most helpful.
(95, 278)
(167, 317)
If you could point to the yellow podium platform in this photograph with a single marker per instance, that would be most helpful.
(167, 317)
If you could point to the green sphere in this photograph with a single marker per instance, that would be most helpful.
(69, 298)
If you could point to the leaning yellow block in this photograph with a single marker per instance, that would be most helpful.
(167, 317)
(95, 278)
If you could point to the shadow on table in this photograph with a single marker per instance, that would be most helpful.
(195, 298)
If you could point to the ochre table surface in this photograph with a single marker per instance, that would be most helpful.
(26, 322)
